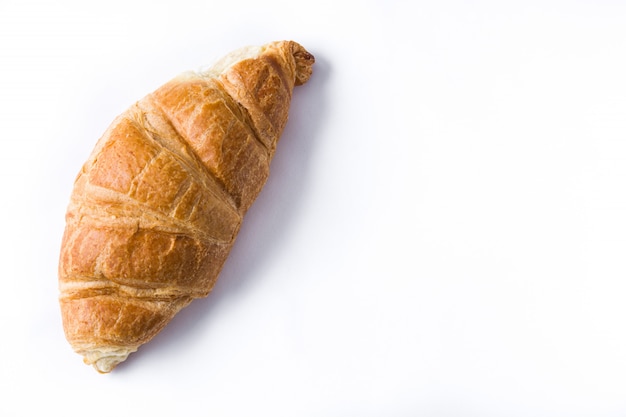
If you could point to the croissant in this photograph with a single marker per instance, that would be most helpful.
(155, 209)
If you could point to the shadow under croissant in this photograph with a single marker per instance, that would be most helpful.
(265, 222)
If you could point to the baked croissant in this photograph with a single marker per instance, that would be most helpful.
(156, 208)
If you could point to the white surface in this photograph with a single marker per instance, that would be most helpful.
(443, 233)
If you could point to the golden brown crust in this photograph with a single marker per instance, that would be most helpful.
(157, 206)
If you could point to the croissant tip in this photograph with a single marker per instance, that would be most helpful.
(304, 62)
(105, 361)
(105, 365)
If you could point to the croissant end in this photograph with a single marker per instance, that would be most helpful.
(104, 361)
(304, 63)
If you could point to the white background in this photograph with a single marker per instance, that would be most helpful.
(443, 232)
